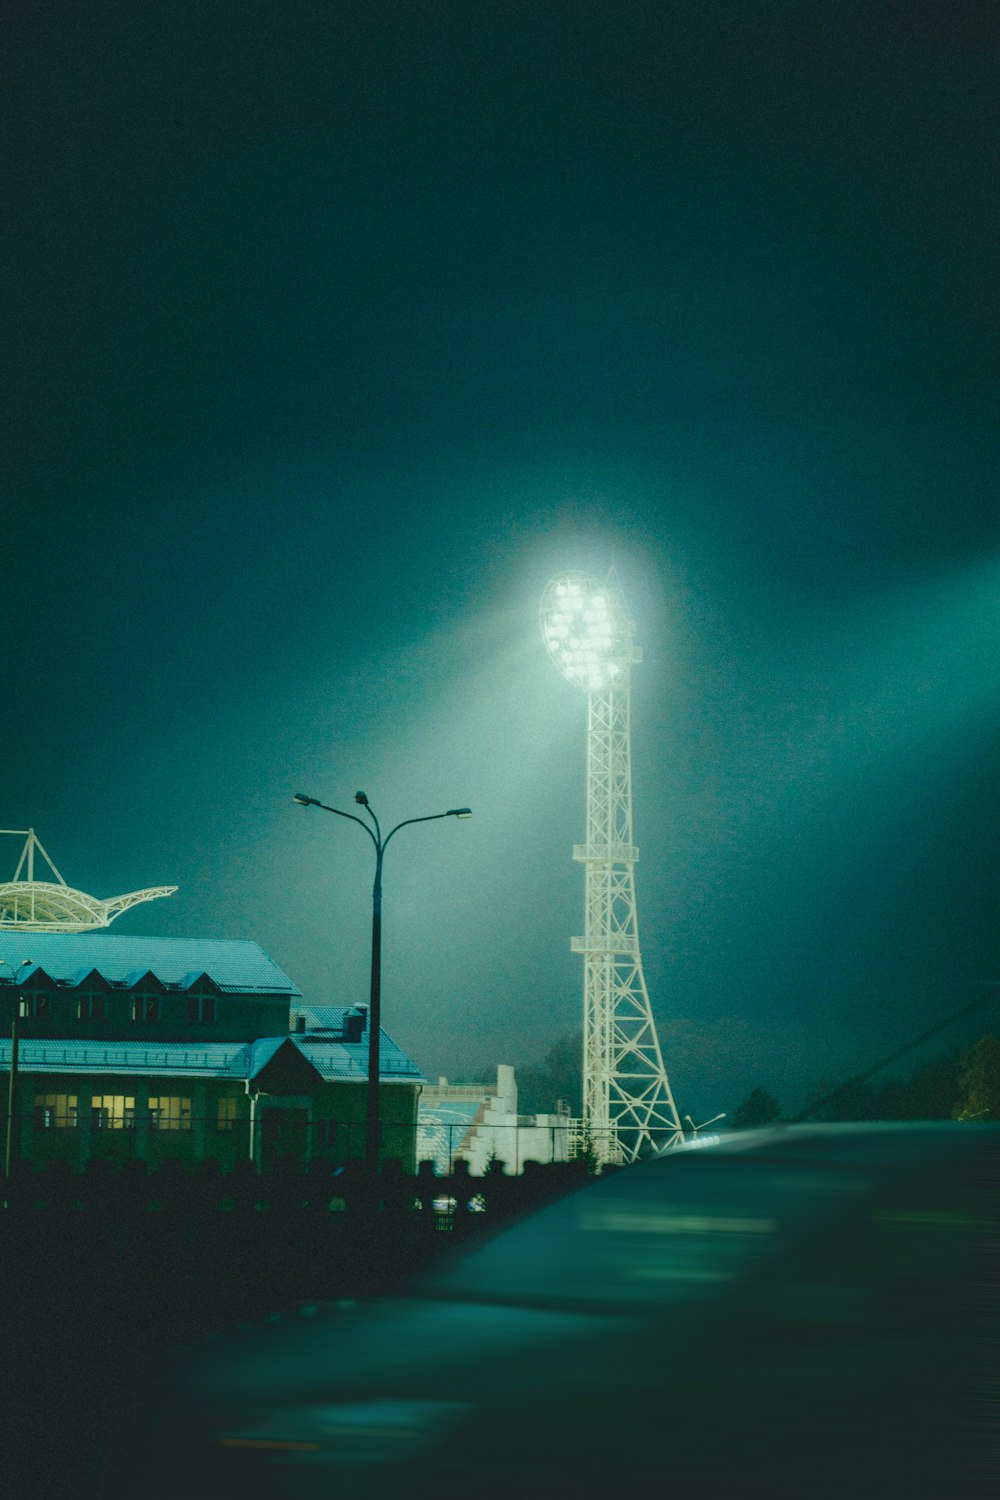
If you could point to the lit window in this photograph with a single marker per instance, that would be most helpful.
(146, 1008)
(55, 1111)
(226, 1117)
(36, 1006)
(201, 1008)
(169, 1112)
(112, 1111)
(90, 1008)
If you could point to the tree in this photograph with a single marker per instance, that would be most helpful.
(584, 1150)
(979, 1081)
(559, 1077)
(854, 1100)
(759, 1108)
(931, 1091)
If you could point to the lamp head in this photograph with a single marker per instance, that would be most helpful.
(459, 812)
(361, 799)
(304, 801)
(587, 631)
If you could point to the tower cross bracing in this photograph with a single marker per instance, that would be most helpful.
(628, 1103)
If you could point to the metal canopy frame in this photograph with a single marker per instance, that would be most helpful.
(30, 905)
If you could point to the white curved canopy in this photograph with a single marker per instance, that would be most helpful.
(30, 905)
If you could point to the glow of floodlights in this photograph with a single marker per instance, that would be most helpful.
(586, 631)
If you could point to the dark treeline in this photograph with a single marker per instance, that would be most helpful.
(557, 1079)
(965, 1085)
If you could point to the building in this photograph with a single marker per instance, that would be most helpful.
(479, 1123)
(186, 1049)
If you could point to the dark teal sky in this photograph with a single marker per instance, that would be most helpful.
(333, 330)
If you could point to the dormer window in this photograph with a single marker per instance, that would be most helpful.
(201, 1009)
(91, 1008)
(145, 1007)
(35, 1006)
(202, 999)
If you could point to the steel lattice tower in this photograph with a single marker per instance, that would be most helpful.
(628, 1104)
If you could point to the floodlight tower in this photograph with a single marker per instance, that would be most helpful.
(627, 1099)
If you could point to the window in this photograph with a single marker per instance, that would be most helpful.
(145, 1007)
(226, 1117)
(169, 1112)
(201, 1008)
(35, 1006)
(90, 1008)
(55, 1111)
(112, 1111)
(326, 1132)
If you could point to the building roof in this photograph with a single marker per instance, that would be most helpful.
(323, 1042)
(68, 958)
(209, 1059)
(336, 1061)
(349, 1060)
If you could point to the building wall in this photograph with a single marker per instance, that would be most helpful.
(94, 1011)
(196, 1111)
(76, 1118)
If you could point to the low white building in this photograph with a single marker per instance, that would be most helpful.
(479, 1123)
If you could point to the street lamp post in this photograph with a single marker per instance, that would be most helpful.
(375, 1006)
(12, 1078)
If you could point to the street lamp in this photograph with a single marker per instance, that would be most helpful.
(705, 1123)
(375, 1006)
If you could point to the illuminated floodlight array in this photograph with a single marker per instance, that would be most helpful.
(628, 1107)
(587, 631)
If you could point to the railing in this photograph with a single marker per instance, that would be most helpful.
(78, 1132)
(607, 942)
(34, 1054)
(616, 854)
(456, 1201)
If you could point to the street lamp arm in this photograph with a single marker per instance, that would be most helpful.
(430, 818)
(378, 830)
(372, 1125)
(305, 801)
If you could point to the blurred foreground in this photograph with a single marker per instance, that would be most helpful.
(110, 1276)
(804, 1311)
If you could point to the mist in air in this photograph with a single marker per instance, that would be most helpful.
(336, 335)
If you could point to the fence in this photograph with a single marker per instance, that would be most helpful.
(424, 1202)
(49, 1133)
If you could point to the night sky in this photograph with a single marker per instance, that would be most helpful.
(333, 330)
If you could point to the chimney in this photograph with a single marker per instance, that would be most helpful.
(355, 1023)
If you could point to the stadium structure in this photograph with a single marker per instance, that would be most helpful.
(628, 1105)
(30, 905)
